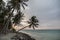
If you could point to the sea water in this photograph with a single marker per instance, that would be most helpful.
(44, 34)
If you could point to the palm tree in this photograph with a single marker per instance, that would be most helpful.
(2, 4)
(16, 4)
(1, 10)
(8, 13)
(17, 18)
(33, 22)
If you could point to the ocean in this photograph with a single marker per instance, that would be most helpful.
(44, 34)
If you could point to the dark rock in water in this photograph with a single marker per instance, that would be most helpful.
(22, 36)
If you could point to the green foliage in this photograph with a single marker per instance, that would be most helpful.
(7, 17)
(2, 11)
(33, 22)
(7, 12)
(17, 19)
(16, 4)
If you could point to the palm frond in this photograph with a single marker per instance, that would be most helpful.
(25, 0)
(25, 4)
(33, 22)
(17, 19)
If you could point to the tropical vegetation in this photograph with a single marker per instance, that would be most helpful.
(8, 17)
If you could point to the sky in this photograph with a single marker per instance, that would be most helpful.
(47, 12)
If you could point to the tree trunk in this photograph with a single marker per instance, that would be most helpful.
(5, 28)
(22, 28)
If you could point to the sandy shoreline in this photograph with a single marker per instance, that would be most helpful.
(20, 34)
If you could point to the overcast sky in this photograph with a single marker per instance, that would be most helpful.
(47, 12)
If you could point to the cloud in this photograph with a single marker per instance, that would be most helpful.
(47, 12)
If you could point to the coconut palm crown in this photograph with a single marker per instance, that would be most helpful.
(16, 4)
(33, 22)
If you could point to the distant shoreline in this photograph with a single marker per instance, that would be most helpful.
(44, 29)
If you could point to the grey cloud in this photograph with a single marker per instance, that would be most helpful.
(46, 11)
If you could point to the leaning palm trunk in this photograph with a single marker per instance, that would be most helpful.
(22, 28)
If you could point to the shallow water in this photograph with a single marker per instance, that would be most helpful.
(38, 34)
(44, 34)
